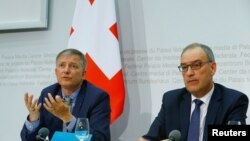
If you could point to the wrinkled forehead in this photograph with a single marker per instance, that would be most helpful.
(68, 58)
(193, 54)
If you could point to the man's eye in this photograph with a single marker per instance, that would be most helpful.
(74, 66)
(61, 65)
(184, 67)
(196, 65)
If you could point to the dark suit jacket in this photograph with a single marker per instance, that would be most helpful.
(91, 102)
(225, 104)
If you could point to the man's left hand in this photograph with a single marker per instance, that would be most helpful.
(57, 107)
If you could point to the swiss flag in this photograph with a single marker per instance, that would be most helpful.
(94, 32)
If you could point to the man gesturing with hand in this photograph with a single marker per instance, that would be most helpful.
(87, 101)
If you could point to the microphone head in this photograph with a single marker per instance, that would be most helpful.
(43, 132)
(174, 135)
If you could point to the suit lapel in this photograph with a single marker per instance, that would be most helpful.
(185, 107)
(79, 100)
(213, 107)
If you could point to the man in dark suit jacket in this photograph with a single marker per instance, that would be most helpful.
(52, 112)
(220, 104)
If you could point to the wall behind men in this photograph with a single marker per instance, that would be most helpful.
(152, 43)
(27, 60)
(152, 34)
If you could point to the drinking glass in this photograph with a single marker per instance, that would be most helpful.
(233, 122)
(82, 129)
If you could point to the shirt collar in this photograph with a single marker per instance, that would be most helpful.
(206, 98)
(73, 95)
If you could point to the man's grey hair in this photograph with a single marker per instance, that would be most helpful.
(208, 51)
(71, 51)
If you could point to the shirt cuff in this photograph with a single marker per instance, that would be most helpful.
(71, 124)
(32, 126)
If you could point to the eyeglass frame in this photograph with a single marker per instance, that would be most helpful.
(192, 66)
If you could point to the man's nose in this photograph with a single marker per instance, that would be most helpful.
(189, 71)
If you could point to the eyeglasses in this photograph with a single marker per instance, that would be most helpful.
(194, 66)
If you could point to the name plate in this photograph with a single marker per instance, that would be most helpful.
(64, 136)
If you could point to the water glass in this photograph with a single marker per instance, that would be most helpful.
(233, 122)
(82, 129)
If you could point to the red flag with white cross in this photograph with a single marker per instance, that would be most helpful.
(94, 32)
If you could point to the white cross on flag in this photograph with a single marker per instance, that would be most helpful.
(94, 32)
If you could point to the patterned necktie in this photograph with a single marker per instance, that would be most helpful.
(194, 126)
(68, 101)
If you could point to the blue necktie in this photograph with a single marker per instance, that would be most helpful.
(194, 125)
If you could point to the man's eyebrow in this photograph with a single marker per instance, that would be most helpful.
(73, 63)
(198, 60)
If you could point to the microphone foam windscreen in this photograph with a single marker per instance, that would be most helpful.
(43, 132)
(175, 135)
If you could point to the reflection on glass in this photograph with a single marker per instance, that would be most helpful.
(233, 122)
(82, 129)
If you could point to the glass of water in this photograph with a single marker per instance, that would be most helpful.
(233, 122)
(82, 129)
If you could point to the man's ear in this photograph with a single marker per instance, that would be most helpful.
(213, 67)
(83, 74)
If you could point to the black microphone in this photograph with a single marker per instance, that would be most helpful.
(42, 134)
(174, 135)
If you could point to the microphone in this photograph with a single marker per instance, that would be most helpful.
(42, 134)
(174, 135)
